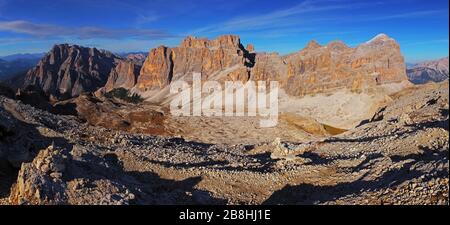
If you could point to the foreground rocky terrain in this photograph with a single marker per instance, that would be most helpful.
(399, 156)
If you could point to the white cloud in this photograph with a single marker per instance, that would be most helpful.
(281, 18)
(50, 30)
(146, 18)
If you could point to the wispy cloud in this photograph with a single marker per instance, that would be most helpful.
(139, 11)
(281, 18)
(5, 41)
(146, 18)
(50, 30)
(278, 33)
(305, 14)
(407, 15)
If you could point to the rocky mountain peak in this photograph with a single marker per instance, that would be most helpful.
(379, 39)
(321, 69)
(124, 75)
(312, 45)
(201, 55)
(69, 70)
(337, 46)
(224, 41)
(193, 42)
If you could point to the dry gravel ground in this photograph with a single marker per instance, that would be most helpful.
(400, 156)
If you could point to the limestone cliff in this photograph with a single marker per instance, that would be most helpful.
(69, 70)
(315, 69)
(124, 75)
(208, 57)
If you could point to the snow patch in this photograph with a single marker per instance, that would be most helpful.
(381, 37)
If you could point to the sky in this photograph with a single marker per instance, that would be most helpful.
(34, 26)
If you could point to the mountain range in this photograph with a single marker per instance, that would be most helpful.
(351, 128)
(12, 66)
(315, 69)
(435, 71)
(69, 70)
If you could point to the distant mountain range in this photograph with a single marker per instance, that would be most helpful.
(429, 71)
(126, 54)
(25, 56)
(410, 65)
(16, 64)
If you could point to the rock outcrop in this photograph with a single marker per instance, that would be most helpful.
(399, 158)
(269, 67)
(315, 69)
(124, 75)
(15, 146)
(319, 69)
(157, 70)
(69, 70)
(40, 181)
(434, 71)
(219, 57)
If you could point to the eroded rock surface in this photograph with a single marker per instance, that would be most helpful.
(324, 69)
(400, 157)
(124, 75)
(69, 70)
(208, 57)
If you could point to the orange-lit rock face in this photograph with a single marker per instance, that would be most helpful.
(71, 70)
(242, 74)
(124, 75)
(250, 48)
(318, 69)
(269, 67)
(208, 57)
(381, 57)
(225, 41)
(157, 69)
(314, 69)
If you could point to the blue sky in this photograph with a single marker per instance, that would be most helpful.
(31, 26)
